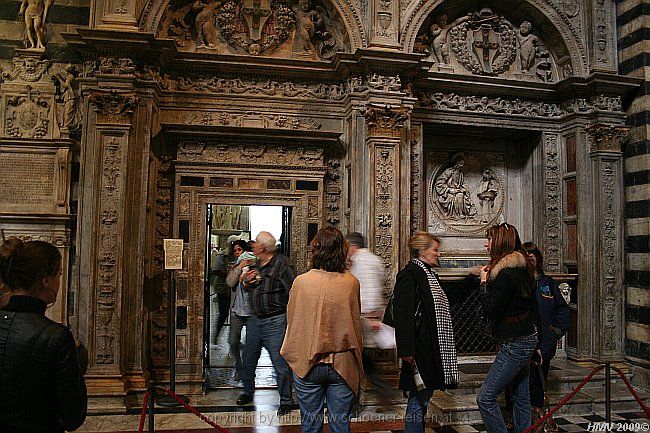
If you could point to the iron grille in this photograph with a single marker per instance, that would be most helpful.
(471, 329)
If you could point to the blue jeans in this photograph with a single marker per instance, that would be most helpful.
(416, 410)
(510, 367)
(267, 333)
(323, 381)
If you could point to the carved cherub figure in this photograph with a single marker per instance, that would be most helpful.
(528, 43)
(205, 22)
(307, 21)
(439, 31)
(34, 13)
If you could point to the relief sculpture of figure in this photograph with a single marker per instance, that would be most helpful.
(527, 46)
(307, 21)
(488, 191)
(67, 80)
(453, 192)
(35, 13)
(205, 23)
(438, 31)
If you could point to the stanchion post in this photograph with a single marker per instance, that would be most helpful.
(152, 403)
(608, 394)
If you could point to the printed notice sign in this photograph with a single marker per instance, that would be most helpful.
(173, 253)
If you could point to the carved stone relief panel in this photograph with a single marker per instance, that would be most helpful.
(416, 175)
(553, 203)
(484, 42)
(28, 116)
(466, 191)
(333, 189)
(385, 23)
(302, 29)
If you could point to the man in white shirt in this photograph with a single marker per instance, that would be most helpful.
(369, 269)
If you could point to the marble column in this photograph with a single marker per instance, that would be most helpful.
(607, 236)
(385, 138)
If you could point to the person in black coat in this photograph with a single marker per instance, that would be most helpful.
(423, 330)
(508, 300)
(42, 389)
(554, 316)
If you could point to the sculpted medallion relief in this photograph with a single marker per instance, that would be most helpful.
(485, 43)
(465, 191)
(305, 29)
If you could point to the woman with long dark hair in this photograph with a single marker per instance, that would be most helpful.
(508, 300)
(42, 384)
(554, 316)
(323, 341)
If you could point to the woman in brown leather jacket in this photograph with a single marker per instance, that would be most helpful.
(41, 384)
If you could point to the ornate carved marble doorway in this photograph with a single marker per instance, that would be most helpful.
(239, 171)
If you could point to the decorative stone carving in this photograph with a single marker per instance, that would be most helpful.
(28, 69)
(34, 13)
(27, 116)
(386, 121)
(486, 43)
(333, 188)
(383, 83)
(416, 174)
(384, 195)
(517, 107)
(58, 240)
(69, 95)
(252, 154)
(113, 106)
(254, 119)
(602, 31)
(553, 203)
(607, 138)
(108, 66)
(252, 86)
(466, 191)
(282, 28)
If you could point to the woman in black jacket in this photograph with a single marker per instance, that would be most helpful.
(423, 330)
(41, 385)
(508, 300)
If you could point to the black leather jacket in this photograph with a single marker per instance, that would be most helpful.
(41, 385)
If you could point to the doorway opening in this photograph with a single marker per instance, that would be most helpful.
(225, 225)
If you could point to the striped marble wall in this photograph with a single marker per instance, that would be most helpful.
(63, 17)
(634, 60)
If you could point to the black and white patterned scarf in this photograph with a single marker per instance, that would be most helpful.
(445, 329)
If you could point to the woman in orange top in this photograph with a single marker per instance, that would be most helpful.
(323, 341)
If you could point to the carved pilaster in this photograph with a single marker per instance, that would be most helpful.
(385, 23)
(553, 203)
(116, 15)
(607, 163)
(416, 147)
(603, 33)
(385, 136)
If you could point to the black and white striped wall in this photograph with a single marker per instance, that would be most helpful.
(634, 60)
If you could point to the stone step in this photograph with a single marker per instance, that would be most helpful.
(455, 409)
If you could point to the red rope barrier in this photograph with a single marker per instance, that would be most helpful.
(196, 412)
(565, 399)
(143, 414)
(632, 391)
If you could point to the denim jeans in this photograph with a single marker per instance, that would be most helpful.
(267, 333)
(510, 367)
(322, 382)
(237, 322)
(416, 410)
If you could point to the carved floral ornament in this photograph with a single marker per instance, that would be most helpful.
(606, 138)
(306, 29)
(28, 69)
